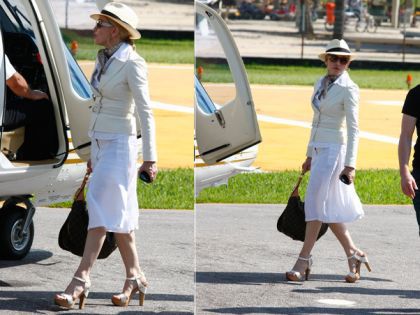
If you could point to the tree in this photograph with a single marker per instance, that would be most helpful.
(339, 19)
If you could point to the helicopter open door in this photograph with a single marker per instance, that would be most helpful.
(2, 81)
(75, 94)
(225, 118)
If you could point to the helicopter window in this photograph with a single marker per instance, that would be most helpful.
(209, 70)
(203, 100)
(78, 79)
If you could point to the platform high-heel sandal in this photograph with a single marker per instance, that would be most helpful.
(140, 285)
(293, 275)
(68, 301)
(352, 277)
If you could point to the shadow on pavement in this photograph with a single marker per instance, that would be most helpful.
(251, 278)
(153, 313)
(340, 278)
(311, 310)
(255, 278)
(407, 294)
(34, 257)
(136, 312)
(42, 301)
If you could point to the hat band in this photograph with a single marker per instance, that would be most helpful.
(338, 49)
(114, 16)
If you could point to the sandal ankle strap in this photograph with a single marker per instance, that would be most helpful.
(139, 275)
(305, 259)
(141, 285)
(86, 283)
(354, 256)
(308, 260)
(80, 279)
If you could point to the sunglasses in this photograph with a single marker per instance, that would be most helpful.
(335, 58)
(100, 23)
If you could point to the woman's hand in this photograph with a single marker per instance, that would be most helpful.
(306, 166)
(150, 168)
(350, 172)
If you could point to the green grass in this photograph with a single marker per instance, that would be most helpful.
(373, 187)
(173, 189)
(152, 50)
(301, 75)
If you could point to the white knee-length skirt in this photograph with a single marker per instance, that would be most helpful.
(112, 192)
(327, 199)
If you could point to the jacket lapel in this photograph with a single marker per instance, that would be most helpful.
(114, 68)
(335, 90)
(332, 94)
(317, 86)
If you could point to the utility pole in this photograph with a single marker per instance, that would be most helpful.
(67, 14)
(395, 13)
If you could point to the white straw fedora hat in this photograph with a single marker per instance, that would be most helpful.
(337, 47)
(121, 14)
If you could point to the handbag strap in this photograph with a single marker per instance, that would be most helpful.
(295, 192)
(80, 192)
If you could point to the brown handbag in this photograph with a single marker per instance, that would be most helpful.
(292, 220)
(73, 233)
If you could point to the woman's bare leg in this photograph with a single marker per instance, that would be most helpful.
(311, 235)
(343, 235)
(94, 241)
(127, 246)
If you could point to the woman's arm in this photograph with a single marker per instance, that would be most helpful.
(138, 83)
(351, 108)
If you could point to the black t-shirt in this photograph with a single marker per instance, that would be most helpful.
(412, 108)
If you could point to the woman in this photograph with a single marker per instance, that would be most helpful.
(120, 76)
(331, 157)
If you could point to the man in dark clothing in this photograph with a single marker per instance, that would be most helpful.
(34, 111)
(410, 121)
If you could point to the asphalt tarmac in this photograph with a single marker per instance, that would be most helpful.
(242, 260)
(166, 251)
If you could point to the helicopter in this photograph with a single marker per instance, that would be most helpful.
(226, 126)
(31, 39)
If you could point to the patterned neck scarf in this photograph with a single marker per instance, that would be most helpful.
(327, 82)
(104, 55)
(324, 87)
(104, 61)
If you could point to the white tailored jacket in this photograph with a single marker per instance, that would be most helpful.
(338, 109)
(122, 95)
